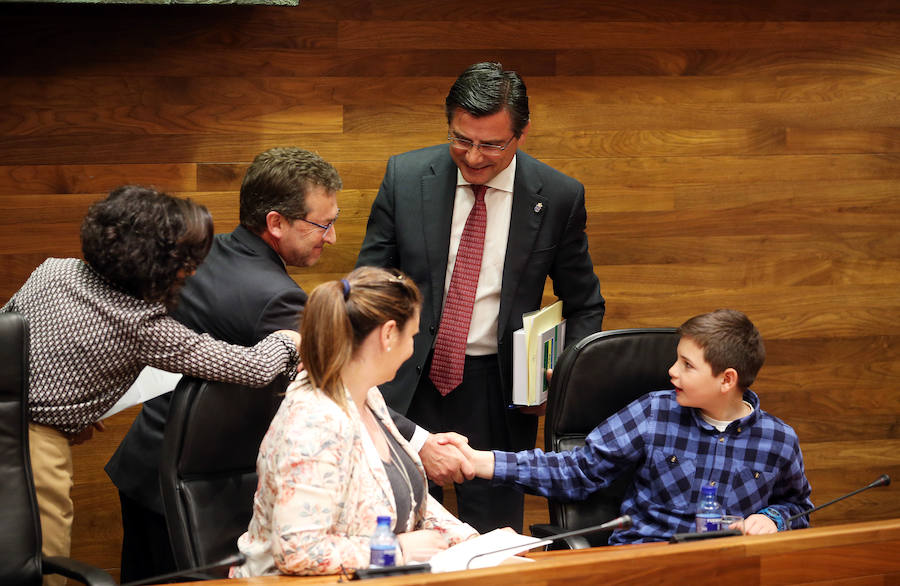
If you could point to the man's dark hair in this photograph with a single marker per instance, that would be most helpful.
(139, 239)
(484, 89)
(729, 340)
(278, 181)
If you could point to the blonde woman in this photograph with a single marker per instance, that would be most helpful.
(332, 460)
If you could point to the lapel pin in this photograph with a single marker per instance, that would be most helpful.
(538, 207)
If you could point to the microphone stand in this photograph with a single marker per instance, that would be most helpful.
(883, 480)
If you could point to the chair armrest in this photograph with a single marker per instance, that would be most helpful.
(546, 531)
(84, 573)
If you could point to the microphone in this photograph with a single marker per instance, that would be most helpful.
(883, 480)
(232, 560)
(623, 522)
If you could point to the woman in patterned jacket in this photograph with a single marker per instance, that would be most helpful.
(332, 460)
(94, 324)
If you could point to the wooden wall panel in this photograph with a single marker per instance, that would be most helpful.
(739, 154)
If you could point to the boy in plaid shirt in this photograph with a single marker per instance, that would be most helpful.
(708, 430)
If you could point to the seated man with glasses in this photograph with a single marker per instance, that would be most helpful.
(241, 293)
(288, 205)
(479, 225)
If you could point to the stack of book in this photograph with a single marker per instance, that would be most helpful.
(536, 348)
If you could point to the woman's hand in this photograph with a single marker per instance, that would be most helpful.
(87, 433)
(419, 546)
(293, 335)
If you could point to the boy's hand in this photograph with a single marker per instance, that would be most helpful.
(482, 460)
(759, 525)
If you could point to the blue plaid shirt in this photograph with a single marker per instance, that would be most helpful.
(755, 463)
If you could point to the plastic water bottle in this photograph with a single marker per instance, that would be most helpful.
(709, 512)
(383, 545)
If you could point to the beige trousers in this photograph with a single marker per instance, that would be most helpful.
(51, 467)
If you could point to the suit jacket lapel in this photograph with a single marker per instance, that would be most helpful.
(438, 195)
(524, 224)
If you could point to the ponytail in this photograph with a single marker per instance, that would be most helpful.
(339, 315)
(326, 339)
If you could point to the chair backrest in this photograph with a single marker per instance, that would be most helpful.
(20, 529)
(208, 466)
(595, 378)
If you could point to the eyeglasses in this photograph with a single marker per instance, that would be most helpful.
(485, 148)
(326, 227)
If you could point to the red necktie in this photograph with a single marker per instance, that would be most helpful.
(450, 346)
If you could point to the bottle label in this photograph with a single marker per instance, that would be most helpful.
(382, 558)
(705, 524)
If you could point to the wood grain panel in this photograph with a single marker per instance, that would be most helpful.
(506, 34)
(727, 61)
(734, 154)
(169, 119)
(644, 11)
(715, 116)
(36, 180)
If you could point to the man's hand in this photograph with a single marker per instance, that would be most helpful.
(86, 434)
(759, 525)
(443, 461)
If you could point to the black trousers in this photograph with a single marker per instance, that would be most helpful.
(477, 409)
(146, 549)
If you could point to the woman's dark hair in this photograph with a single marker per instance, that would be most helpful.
(139, 239)
(339, 315)
(484, 89)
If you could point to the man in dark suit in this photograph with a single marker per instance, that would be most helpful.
(241, 293)
(431, 218)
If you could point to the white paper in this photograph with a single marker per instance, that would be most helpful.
(457, 557)
(152, 382)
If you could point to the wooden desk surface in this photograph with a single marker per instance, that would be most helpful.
(857, 554)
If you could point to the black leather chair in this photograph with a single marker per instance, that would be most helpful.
(21, 561)
(595, 378)
(208, 466)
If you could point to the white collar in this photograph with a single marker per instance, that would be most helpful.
(503, 181)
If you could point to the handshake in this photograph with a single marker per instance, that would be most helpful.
(448, 457)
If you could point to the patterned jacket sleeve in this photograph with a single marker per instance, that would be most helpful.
(169, 345)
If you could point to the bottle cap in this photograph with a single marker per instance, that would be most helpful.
(708, 489)
(384, 519)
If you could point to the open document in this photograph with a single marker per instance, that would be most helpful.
(152, 382)
(483, 551)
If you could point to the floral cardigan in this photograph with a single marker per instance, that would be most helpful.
(321, 487)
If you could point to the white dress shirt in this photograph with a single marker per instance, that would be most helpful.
(482, 338)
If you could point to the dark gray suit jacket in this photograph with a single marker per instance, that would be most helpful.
(409, 229)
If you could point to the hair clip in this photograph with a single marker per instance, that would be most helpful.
(346, 284)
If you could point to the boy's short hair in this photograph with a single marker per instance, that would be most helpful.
(729, 340)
